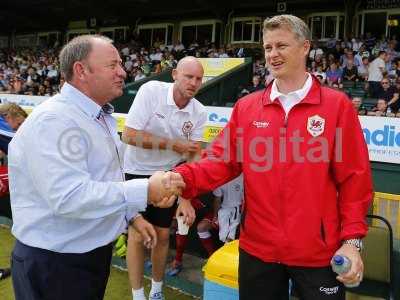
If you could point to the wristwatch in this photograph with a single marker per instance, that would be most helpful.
(355, 242)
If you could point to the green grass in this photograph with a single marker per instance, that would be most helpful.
(118, 287)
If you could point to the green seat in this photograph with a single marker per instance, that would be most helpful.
(378, 259)
(358, 92)
(348, 84)
(359, 84)
(369, 103)
(347, 90)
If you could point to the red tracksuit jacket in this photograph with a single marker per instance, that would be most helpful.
(307, 177)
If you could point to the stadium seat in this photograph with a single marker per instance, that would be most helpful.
(358, 92)
(359, 84)
(348, 91)
(369, 103)
(348, 84)
(378, 259)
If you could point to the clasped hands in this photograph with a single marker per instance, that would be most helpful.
(164, 188)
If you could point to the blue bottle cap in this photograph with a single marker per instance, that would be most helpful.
(338, 260)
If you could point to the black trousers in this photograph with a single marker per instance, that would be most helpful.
(46, 275)
(270, 281)
(5, 206)
(374, 88)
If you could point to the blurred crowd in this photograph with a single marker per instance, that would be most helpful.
(370, 67)
(30, 71)
(367, 69)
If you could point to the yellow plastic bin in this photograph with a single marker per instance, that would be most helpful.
(221, 273)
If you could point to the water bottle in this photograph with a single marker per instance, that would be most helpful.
(340, 265)
(4, 273)
(389, 110)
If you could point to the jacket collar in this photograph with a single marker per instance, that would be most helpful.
(312, 97)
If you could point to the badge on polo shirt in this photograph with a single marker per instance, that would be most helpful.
(237, 187)
(187, 129)
(315, 125)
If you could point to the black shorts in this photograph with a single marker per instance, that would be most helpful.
(161, 217)
(262, 280)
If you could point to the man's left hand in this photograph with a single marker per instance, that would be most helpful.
(355, 275)
(186, 210)
(146, 230)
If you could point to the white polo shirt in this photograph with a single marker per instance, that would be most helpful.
(375, 72)
(154, 111)
(232, 192)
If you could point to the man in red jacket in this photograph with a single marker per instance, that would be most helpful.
(307, 177)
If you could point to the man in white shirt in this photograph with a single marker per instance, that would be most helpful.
(179, 46)
(315, 51)
(363, 69)
(139, 74)
(226, 210)
(230, 197)
(164, 127)
(69, 199)
(376, 70)
(156, 55)
(356, 44)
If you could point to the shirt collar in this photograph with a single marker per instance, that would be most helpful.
(300, 94)
(86, 104)
(170, 101)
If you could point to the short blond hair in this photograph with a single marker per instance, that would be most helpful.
(13, 110)
(290, 22)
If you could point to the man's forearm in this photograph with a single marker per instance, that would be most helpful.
(146, 140)
(394, 99)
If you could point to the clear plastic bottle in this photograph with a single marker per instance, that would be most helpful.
(340, 265)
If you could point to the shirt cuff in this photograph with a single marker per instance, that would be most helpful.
(135, 192)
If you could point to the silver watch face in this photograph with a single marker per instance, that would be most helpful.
(360, 243)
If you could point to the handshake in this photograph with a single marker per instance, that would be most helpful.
(164, 188)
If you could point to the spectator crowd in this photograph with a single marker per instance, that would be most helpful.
(29, 71)
(367, 69)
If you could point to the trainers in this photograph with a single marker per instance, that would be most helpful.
(121, 241)
(4, 273)
(121, 252)
(176, 268)
(157, 296)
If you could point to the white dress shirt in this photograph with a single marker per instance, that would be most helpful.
(291, 99)
(66, 179)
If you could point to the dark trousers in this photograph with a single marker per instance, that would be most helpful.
(374, 88)
(46, 275)
(5, 207)
(267, 281)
